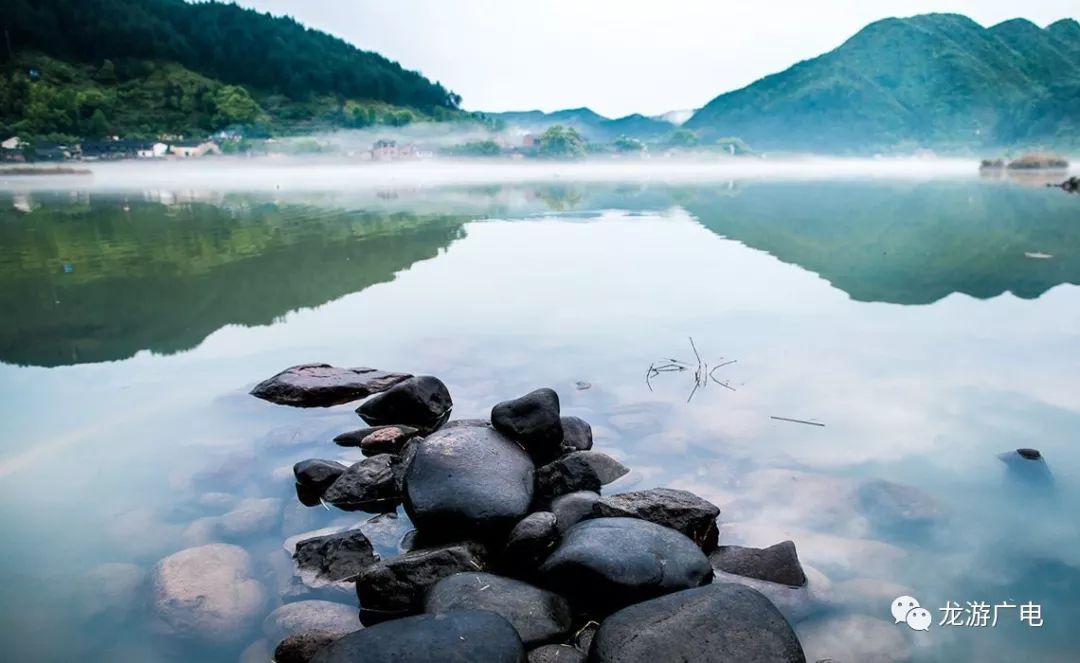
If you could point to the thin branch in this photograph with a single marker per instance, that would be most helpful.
(799, 421)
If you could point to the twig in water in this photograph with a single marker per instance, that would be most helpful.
(799, 421)
(703, 374)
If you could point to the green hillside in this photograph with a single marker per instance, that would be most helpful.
(588, 123)
(937, 80)
(150, 66)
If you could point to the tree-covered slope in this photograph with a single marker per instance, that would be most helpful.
(937, 80)
(588, 123)
(222, 41)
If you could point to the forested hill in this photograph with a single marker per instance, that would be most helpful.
(221, 41)
(936, 80)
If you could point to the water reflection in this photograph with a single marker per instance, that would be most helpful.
(108, 467)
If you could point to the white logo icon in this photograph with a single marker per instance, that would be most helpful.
(907, 609)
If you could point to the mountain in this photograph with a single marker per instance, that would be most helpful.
(676, 117)
(588, 123)
(935, 80)
(65, 59)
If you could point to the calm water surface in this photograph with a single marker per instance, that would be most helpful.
(908, 317)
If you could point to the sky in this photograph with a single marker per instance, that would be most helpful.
(615, 56)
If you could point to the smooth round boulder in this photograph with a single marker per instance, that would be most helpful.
(464, 635)
(422, 402)
(208, 593)
(572, 508)
(533, 421)
(539, 616)
(607, 563)
(720, 623)
(467, 480)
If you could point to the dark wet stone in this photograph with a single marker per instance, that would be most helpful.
(302, 647)
(395, 587)
(778, 563)
(607, 563)
(579, 470)
(335, 557)
(370, 485)
(572, 508)
(355, 438)
(721, 623)
(539, 616)
(308, 496)
(317, 474)
(533, 421)
(323, 385)
(678, 509)
(556, 654)
(467, 480)
(577, 435)
(1029, 454)
(465, 635)
(531, 540)
(422, 402)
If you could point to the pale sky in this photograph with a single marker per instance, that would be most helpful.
(615, 56)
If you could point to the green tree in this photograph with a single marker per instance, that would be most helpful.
(560, 142)
(99, 124)
(234, 105)
(627, 144)
(683, 138)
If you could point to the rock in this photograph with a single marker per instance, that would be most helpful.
(778, 563)
(421, 402)
(533, 421)
(308, 496)
(854, 638)
(530, 541)
(583, 639)
(716, 624)
(577, 435)
(556, 654)
(467, 480)
(322, 385)
(208, 592)
(579, 470)
(108, 592)
(796, 604)
(316, 474)
(257, 652)
(539, 616)
(466, 423)
(1028, 466)
(607, 563)
(387, 440)
(291, 618)
(250, 516)
(302, 647)
(572, 508)
(396, 586)
(335, 557)
(897, 508)
(465, 635)
(678, 509)
(370, 485)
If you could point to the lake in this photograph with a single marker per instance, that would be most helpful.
(930, 323)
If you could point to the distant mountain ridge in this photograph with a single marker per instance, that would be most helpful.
(934, 80)
(589, 123)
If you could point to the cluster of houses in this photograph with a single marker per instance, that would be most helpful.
(16, 150)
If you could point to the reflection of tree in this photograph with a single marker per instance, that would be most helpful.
(97, 283)
(905, 243)
(560, 197)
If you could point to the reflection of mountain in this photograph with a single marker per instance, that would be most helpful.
(92, 282)
(905, 243)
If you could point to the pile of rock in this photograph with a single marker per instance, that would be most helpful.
(517, 555)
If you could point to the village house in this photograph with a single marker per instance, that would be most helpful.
(384, 150)
(152, 151)
(188, 149)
